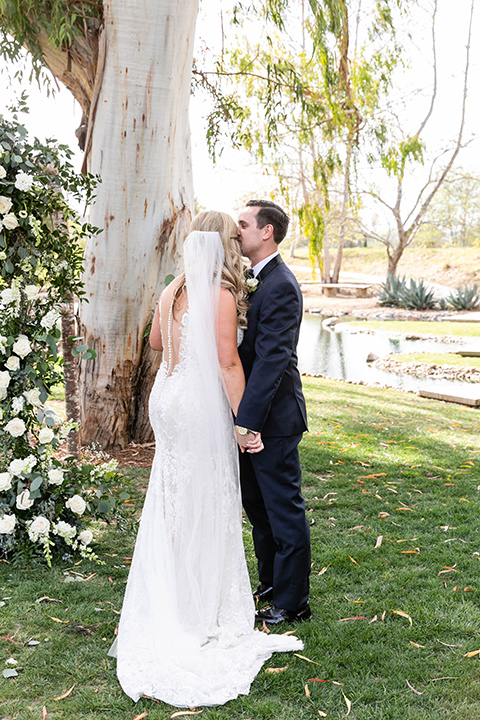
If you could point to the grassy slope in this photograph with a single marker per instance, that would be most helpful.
(376, 463)
(452, 267)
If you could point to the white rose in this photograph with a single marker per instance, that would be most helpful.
(24, 500)
(7, 524)
(50, 319)
(23, 181)
(16, 467)
(45, 436)
(13, 363)
(5, 481)
(40, 526)
(76, 504)
(16, 427)
(31, 291)
(22, 346)
(5, 204)
(3, 172)
(32, 396)
(10, 221)
(86, 537)
(7, 296)
(55, 476)
(4, 379)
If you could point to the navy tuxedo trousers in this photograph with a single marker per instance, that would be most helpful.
(272, 498)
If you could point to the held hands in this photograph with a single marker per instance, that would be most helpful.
(252, 442)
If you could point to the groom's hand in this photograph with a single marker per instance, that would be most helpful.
(255, 443)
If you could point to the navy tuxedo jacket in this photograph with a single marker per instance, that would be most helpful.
(273, 402)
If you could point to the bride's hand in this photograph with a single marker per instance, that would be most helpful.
(255, 444)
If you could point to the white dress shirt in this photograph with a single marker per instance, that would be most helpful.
(260, 265)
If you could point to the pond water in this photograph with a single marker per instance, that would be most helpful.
(342, 354)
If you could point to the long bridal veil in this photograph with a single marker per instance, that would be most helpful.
(186, 634)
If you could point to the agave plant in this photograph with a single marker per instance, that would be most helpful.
(392, 292)
(466, 298)
(417, 296)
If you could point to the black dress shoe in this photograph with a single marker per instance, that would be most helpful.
(263, 593)
(275, 615)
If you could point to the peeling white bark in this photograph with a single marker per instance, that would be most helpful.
(139, 142)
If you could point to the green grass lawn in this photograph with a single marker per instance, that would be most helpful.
(440, 359)
(391, 485)
(418, 327)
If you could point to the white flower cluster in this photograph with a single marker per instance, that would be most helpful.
(65, 530)
(10, 298)
(9, 220)
(38, 528)
(99, 471)
(25, 465)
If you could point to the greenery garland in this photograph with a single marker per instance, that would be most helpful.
(45, 501)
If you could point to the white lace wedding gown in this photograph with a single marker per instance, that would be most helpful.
(186, 633)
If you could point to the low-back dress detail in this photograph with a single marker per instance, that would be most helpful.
(186, 634)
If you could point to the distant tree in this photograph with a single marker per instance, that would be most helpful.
(400, 154)
(454, 214)
(308, 77)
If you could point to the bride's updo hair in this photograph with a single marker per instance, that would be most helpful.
(233, 267)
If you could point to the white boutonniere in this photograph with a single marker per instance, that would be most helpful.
(252, 284)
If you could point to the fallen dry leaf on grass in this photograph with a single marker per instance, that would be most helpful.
(348, 704)
(322, 714)
(302, 657)
(45, 598)
(307, 691)
(357, 617)
(403, 614)
(185, 712)
(417, 692)
(140, 717)
(379, 542)
(66, 694)
(447, 569)
(472, 653)
(276, 669)
(416, 644)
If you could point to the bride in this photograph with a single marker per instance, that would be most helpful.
(186, 634)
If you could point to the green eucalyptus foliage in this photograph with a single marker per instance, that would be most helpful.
(61, 23)
(301, 98)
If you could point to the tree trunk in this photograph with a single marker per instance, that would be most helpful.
(72, 397)
(139, 142)
(343, 217)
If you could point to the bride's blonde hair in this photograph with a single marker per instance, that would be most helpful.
(233, 267)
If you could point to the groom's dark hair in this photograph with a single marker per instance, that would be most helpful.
(271, 214)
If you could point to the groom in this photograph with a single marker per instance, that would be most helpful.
(273, 404)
